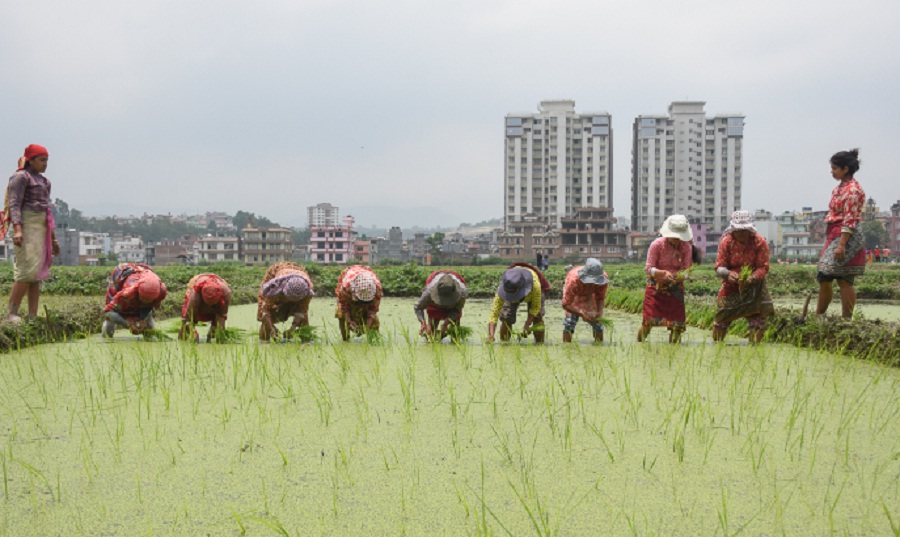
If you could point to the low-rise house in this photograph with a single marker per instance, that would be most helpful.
(219, 247)
(266, 245)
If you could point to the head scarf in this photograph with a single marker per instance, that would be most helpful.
(211, 292)
(363, 287)
(290, 286)
(32, 151)
(149, 286)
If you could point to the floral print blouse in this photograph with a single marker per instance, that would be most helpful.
(734, 255)
(663, 256)
(584, 298)
(846, 205)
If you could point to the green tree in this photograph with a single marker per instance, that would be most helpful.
(300, 235)
(434, 243)
(874, 234)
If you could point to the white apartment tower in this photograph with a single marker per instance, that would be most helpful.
(686, 163)
(556, 161)
(323, 214)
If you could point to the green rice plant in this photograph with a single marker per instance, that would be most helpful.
(459, 333)
(746, 272)
(153, 334)
(303, 334)
(374, 337)
(229, 335)
(895, 528)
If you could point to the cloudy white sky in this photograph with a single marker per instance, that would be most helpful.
(273, 105)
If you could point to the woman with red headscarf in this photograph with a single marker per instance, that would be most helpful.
(133, 293)
(28, 211)
(206, 300)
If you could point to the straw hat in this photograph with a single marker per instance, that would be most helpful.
(446, 291)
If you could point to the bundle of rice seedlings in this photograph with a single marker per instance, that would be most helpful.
(374, 337)
(303, 334)
(152, 334)
(229, 335)
(459, 333)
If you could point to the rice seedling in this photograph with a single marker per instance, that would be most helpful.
(303, 334)
(626, 423)
(153, 334)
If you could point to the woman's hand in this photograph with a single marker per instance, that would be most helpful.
(839, 252)
(663, 276)
(734, 277)
(17, 237)
(55, 248)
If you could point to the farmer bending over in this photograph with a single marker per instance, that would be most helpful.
(206, 299)
(359, 296)
(443, 299)
(517, 285)
(583, 295)
(133, 293)
(285, 292)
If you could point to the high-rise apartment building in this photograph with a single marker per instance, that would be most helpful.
(556, 161)
(686, 163)
(323, 214)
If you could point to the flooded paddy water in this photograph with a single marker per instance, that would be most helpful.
(127, 437)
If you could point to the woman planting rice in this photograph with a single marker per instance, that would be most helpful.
(206, 299)
(668, 260)
(742, 262)
(359, 293)
(844, 256)
(583, 295)
(34, 243)
(442, 299)
(285, 292)
(520, 283)
(134, 291)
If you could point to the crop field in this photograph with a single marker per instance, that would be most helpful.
(127, 437)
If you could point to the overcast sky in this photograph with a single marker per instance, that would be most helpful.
(271, 106)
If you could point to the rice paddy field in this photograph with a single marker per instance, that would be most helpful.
(403, 437)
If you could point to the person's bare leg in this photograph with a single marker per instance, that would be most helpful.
(643, 332)
(848, 299)
(718, 333)
(16, 294)
(34, 296)
(755, 336)
(826, 293)
(567, 337)
(505, 331)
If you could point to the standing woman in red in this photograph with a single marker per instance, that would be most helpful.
(844, 256)
(34, 242)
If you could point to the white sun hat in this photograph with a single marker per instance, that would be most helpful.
(741, 220)
(677, 227)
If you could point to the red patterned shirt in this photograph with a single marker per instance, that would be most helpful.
(846, 205)
(734, 255)
(585, 299)
(663, 256)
